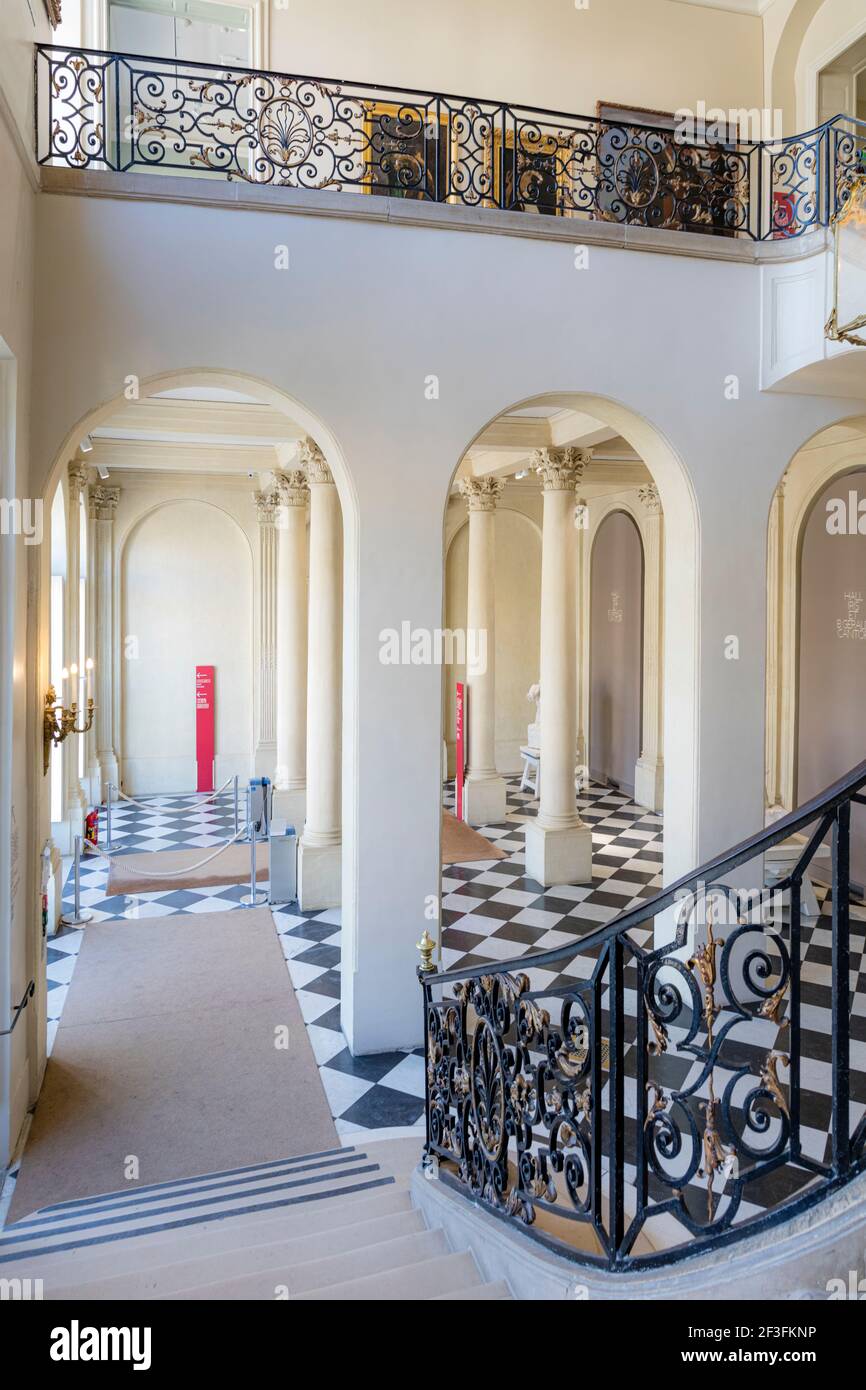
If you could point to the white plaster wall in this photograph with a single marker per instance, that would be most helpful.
(616, 633)
(22, 949)
(551, 54)
(186, 600)
(368, 312)
(518, 630)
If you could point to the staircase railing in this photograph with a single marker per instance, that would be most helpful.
(122, 111)
(653, 1089)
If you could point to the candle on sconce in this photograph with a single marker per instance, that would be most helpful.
(89, 668)
(76, 679)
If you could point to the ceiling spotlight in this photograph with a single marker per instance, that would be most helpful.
(86, 445)
(524, 473)
(102, 471)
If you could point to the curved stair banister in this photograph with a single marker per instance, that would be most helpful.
(629, 1104)
(121, 112)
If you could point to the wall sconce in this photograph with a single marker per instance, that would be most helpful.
(849, 268)
(59, 720)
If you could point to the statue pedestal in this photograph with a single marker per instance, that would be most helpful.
(533, 735)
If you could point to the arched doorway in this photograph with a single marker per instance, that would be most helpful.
(616, 651)
(608, 464)
(186, 594)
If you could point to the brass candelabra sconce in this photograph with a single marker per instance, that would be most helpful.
(59, 720)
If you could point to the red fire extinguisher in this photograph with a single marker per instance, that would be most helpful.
(91, 827)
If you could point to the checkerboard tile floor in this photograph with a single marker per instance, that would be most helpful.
(491, 912)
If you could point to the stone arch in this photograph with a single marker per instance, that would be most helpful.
(681, 647)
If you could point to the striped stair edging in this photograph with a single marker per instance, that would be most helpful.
(161, 1207)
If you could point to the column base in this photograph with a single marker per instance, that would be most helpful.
(558, 856)
(319, 876)
(291, 806)
(110, 772)
(649, 783)
(484, 801)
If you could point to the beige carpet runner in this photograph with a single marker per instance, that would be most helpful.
(463, 845)
(168, 1061)
(232, 866)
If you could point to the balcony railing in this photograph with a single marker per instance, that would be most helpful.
(120, 111)
(630, 1103)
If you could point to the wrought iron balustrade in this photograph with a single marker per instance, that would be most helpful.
(122, 112)
(631, 1103)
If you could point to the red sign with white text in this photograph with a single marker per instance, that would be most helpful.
(460, 738)
(204, 727)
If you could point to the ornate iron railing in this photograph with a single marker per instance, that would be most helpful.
(121, 112)
(631, 1103)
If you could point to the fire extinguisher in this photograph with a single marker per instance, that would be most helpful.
(91, 827)
(46, 878)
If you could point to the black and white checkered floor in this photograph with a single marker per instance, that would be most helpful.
(491, 912)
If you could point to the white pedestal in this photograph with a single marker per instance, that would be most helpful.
(485, 801)
(319, 876)
(558, 856)
(533, 735)
(291, 806)
(649, 783)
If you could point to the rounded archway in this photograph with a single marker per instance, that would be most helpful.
(612, 468)
(185, 590)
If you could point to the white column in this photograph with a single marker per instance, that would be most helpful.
(649, 775)
(75, 803)
(103, 506)
(320, 850)
(91, 758)
(485, 789)
(267, 504)
(558, 844)
(290, 793)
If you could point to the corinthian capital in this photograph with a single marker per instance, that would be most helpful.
(78, 472)
(292, 487)
(267, 505)
(103, 502)
(649, 495)
(560, 469)
(481, 494)
(313, 462)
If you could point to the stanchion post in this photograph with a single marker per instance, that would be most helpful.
(108, 790)
(237, 805)
(254, 897)
(78, 916)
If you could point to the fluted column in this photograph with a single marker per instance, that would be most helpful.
(558, 844)
(75, 802)
(649, 769)
(103, 507)
(267, 506)
(320, 850)
(485, 789)
(291, 773)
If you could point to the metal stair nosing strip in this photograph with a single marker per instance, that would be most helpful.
(18, 1247)
(179, 1190)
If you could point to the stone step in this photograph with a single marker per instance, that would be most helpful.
(323, 1208)
(445, 1274)
(384, 1258)
(483, 1292)
(165, 1270)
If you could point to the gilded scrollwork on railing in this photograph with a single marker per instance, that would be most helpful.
(730, 985)
(122, 112)
(511, 1095)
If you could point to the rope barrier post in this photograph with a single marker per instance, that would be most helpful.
(254, 897)
(108, 791)
(79, 915)
(237, 805)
